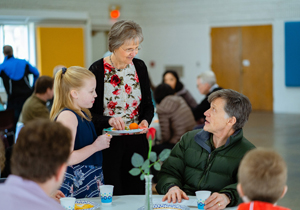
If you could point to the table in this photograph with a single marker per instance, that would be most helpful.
(133, 202)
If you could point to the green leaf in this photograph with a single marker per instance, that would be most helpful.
(157, 166)
(142, 177)
(145, 166)
(153, 156)
(137, 160)
(164, 154)
(135, 171)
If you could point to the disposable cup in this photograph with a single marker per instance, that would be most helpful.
(68, 203)
(106, 192)
(202, 195)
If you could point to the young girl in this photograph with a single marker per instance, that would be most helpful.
(74, 90)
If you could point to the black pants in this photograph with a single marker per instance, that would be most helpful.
(117, 164)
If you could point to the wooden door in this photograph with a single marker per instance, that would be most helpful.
(226, 56)
(257, 77)
(59, 46)
(242, 61)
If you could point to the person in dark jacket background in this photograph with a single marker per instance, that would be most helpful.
(171, 78)
(208, 159)
(206, 84)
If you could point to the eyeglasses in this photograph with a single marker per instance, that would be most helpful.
(130, 50)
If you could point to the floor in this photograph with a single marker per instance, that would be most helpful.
(280, 132)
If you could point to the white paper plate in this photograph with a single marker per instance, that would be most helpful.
(95, 205)
(167, 207)
(109, 130)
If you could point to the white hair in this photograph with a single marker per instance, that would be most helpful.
(208, 77)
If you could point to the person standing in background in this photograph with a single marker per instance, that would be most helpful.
(171, 78)
(124, 97)
(206, 84)
(15, 75)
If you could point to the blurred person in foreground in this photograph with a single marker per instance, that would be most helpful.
(38, 164)
(206, 84)
(35, 106)
(2, 156)
(171, 78)
(262, 179)
(124, 97)
(208, 159)
(15, 75)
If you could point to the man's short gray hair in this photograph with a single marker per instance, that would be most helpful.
(207, 77)
(7, 50)
(237, 105)
(122, 31)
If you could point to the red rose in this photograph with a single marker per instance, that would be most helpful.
(151, 133)
(112, 105)
(111, 113)
(136, 77)
(115, 80)
(116, 92)
(128, 89)
(134, 103)
(126, 107)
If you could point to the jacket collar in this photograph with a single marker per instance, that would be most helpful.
(203, 136)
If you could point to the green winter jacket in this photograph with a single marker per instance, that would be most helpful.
(192, 165)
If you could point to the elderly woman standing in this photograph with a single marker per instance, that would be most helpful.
(124, 97)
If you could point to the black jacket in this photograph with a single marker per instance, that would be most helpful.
(199, 110)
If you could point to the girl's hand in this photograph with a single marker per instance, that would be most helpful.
(102, 142)
(57, 195)
(117, 123)
(144, 125)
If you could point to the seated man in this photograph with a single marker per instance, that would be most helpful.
(38, 164)
(35, 106)
(208, 159)
(206, 83)
(262, 180)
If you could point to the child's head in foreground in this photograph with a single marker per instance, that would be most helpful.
(262, 176)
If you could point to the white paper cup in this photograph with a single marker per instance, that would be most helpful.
(68, 203)
(202, 195)
(106, 192)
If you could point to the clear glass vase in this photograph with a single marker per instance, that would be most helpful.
(148, 192)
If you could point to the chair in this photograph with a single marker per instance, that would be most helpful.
(7, 122)
(2, 180)
(19, 126)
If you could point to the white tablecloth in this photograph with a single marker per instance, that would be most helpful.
(133, 202)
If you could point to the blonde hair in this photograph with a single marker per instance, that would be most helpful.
(72, 78)
(2, 156)
(262, 175)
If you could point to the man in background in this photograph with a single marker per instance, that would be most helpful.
(14, 73)
(206, 84)
(35, 106)
(38, 164)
